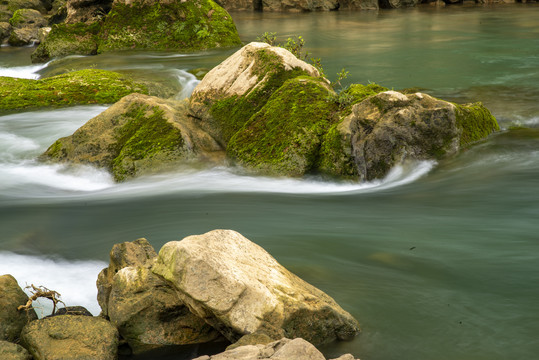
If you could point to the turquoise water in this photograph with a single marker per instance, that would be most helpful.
(437, 262)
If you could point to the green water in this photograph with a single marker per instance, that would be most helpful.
(439, 264)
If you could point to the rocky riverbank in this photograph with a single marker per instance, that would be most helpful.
(217, 287)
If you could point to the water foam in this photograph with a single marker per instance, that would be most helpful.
(23, 72)
(188, 82)
(74, 280)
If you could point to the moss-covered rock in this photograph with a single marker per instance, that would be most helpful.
(79, 87)
(240, 86)
(27, 17)
(167, 25)
(138, 135)
(68, 39)
(5, 30)
(284, 136)
(389, 128)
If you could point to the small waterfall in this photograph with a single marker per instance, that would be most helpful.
(188, 82)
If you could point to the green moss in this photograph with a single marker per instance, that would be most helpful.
(233, 113)
(17, 18)
(68, 39)
(284, 136)
(476, 123)
(146, 134)
(335, 160)
(79, 87)
(186, 25)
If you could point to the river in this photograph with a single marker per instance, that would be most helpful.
(439, 261)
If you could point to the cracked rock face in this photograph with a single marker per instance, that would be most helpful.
(239, 289)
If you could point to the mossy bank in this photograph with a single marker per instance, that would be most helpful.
(89, 86)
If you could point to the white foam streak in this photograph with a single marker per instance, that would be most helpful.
(188, 82)
(74, 280)
(23, 72)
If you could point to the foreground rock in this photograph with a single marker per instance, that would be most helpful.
(99, 26)
(390, 128)
(71, 337)
(75, 88)
(144, 308)
(11, 351)
(138, 135)
(12, 320)
(284, 349)
(239, 289)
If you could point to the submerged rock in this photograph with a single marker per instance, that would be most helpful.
(140, 134)
(389, 128)
(239, 289)
(12, 320)
(71, 337)
(75, 88)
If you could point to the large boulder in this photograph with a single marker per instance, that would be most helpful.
(12, 320)
(395, 4)
(240, 86)
(389, 128)
(86, 11)
(90, 86)
(284, 137)
(11, 351)
(167, 25)
(26, 24)
(299, 5)
(69, 337)
(240, 289)
(359, 4)
(5, 30)
(144, 308)
(139, 134)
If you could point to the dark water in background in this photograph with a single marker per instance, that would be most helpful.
(438, 261)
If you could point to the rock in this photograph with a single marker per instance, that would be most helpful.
(241, 5)
(395, 4)
(148, 314)
(39, 5)
(386, 129)
(10, 351)
(284, 349)
(26, 24)
(71, 337)
(135, 253)
(239, 289)
(138, 135)
(42, 33)
(5, 30)
(284, 137)
(359, 4)
(86, 11)
(144, 308)
(300, 5)
(345, 357)
(78, 87)
(167, 25)
(68, 39)
(23, 37)
(12, 320)
(240, 86)
(73, 310)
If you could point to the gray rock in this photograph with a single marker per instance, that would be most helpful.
(239, 289)
(11, 351)
(284, 349)
(71, 337)
(12, 320)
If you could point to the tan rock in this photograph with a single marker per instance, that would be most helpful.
(12, 320)
(11, 351)
(239, 289)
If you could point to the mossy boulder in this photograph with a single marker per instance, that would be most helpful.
(68, 39)
(5, 30)
(167, 25)
(389, 128)
(284, 136)
(86, 11)
(240, 86)
(138, 135)
(11, 351)
(79, 87)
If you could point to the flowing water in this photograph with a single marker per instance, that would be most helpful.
(439, 261)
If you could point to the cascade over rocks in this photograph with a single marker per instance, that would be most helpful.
(71, 337)
(12, 320)
(140, 134)
(240, 289)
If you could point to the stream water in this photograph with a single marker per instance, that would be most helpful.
(439, 261)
